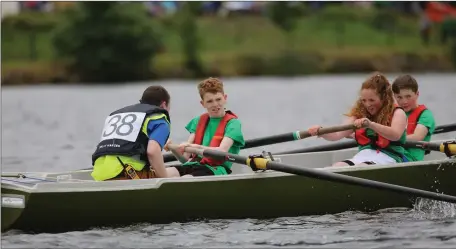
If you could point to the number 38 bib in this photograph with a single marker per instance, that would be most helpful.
(122, 132)
(124, 126)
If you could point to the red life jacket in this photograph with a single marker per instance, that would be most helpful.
(377, 141)
(216, 139)
(413, 118)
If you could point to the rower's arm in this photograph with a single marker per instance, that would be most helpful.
(225, 145)
(419, 134)
(341, 134)
(190, 140)
(180, 157)
(155, 158)
(397, 128)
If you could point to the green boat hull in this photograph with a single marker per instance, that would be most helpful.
(82, 205)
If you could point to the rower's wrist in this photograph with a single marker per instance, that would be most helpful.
(318, 131)
(371, 124)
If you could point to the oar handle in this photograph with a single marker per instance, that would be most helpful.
(331, 129)
(188, 149)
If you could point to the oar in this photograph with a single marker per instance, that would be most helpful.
(291, 136)
(445, 128)
(281, 138)
(449, 148)
(352, 144)
(319, 148)
(262, 163)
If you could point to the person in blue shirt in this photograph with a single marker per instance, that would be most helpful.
(133, 138)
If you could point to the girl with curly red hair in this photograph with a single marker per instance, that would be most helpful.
(381, 142)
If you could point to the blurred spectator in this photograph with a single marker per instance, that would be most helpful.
(425, 27)
(435, 12)
(361, 4)
(61, 5)
(211, 7)
(236, 7)
(36, 6)
(316, 5)
(169, 7)
(438, 11)
(161, 8)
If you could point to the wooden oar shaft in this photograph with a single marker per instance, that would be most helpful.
(281, 138)
(352, 144)
(262, 163)
(297, 135)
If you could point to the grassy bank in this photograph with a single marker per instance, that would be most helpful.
(323, 42)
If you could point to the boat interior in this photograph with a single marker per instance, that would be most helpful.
(308, 160)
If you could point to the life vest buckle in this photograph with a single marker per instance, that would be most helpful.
(129, 170)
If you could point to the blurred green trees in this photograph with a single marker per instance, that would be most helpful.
(107, 42)
(121, 41)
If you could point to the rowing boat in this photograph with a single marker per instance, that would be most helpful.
(55, 202)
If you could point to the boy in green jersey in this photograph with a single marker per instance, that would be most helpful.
(216, 129)
(420, 123)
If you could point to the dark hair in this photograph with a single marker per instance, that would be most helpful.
(155, 95)
(405, 82)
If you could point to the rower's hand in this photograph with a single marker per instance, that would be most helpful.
(362, 122)
(182, 146)
(314, 130)
(166, 148)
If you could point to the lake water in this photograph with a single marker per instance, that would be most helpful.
(56, 128)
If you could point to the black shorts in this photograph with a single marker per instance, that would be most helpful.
(194, 171)
(350, 163)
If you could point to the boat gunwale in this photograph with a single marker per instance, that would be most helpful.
(145, 184)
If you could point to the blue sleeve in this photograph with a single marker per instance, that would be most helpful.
(158, 130)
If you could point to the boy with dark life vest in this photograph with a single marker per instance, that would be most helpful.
(217, 129)
(420, 123)
(132, 139)
(382, 141)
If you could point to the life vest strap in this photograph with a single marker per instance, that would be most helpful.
(216, 139)
(412, 120)
(129, 170)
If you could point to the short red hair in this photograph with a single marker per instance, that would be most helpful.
(210, 85)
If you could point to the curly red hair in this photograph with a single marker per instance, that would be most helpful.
(211, 85)
(380, 84)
